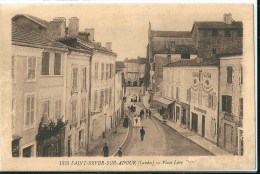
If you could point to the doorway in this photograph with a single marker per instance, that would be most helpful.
(228, 137)
(69, 152)
(194, 124)
(203, 126)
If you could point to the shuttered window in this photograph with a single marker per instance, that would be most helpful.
(227, 103)
(57, 64)
(31, 68)
(45, 63)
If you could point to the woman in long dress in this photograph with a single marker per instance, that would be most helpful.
(139, 121)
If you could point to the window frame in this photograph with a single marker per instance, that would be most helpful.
(84, 78)
(48, 64)
(30, 125)
(60, 109)
(73, 119)
(60, 70)
(227, 74)
(83, 107)
(28, 69)
(74, 85)
(226, 109)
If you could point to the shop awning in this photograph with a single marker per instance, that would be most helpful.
(16, 137)
(164, 102)
(185, 106)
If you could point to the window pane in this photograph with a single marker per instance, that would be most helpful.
(57, 64)
(45, 63)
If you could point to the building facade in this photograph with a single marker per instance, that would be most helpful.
(38, 66)
(231, 104)
(191, 88)
(135, 71)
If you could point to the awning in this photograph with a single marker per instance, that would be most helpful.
(16, 137)
(185, 106)
(164, 102)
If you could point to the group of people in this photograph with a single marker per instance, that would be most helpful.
(105, 151)
(132, 108)
(135, 98)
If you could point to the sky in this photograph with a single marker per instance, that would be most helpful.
(126, 25)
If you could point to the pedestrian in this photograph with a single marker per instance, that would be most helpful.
(142, 133)
(146, 113)
(105, 151)
(139, 121)
(149, 113)
(125, 124)
(119, 152)
(134, 108)
(135, 121)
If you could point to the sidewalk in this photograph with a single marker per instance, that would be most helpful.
(188, 134)
(113, 140)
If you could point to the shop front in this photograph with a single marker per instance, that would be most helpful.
(165, 107)
(185, 115)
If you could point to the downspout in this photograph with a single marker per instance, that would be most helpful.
(218, 104)
(89, 103)
(114, 120)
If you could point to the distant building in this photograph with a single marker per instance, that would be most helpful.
(190, 96)
(231, 104)
(135, 71)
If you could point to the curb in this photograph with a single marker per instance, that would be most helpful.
(114, 154)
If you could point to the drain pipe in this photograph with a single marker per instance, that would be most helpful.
(89, 102)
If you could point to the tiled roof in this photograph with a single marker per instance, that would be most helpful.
(193, 62)
(31, 38)
(96, 46)
(180, 34)
(33, 18)
(218, 25)
(120, 65)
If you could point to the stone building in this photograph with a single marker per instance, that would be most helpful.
(135, 71)
(190, 96)
(214, 38)
(38, 73)
(231, 104)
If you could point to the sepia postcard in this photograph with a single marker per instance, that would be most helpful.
(127, 87)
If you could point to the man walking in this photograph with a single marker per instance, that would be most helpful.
(105, 151)
(142, 133)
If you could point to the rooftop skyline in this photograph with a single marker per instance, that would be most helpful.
(126, 26)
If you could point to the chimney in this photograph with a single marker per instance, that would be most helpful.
(109, 45)
(91, 32)
(227, 18)
(83, 35)
(57, 27)
(73, 28)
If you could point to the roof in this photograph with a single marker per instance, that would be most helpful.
(28, 37)
(139, 60)
(120, 65)
(33, 18)
(96, 46)
(217, 25)
(180, 34)
(193, 62)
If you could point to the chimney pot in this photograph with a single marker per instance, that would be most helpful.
(109, 45)
(91, 32)
(73, 28)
